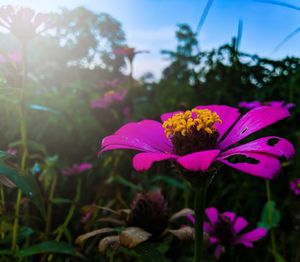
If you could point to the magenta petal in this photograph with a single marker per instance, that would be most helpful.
(271, 145)
(290, 105)
(227, 114)
(229, 216)
(198, 161)
(212, 215)
(219, 250)
(267, 168)
(144, 161)
(239, 224)
(207, 228)
(253, 121)
(147, 135)
(251, 236)
(249, 105)
(129, 142)
(191, 218)
(213, 240)
(112, 147)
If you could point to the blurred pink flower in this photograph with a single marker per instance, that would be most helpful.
(129, 52)
(126, 51)
(77, 169)
(109, 98)
(295, 186)
(254, 104)
(12, 151)
(12, 57)
(87, 212)
(23, 22)
(227, 229)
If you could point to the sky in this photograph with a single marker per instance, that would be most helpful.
(151, 24)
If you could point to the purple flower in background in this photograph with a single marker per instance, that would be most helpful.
(129, 52)
(254, 104)
(125, 51)
(88, 212)
(227, 229)
(295, 186)
(77, 169)
(195, 139)
(109, 98)
(12, 57)
(12, 151)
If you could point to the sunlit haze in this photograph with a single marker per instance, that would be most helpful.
(151, 24)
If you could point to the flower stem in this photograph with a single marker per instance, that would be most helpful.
(271, 216)
(49, 209)
(199, 209)
(24, 140)
(2, 207)
(69, 216)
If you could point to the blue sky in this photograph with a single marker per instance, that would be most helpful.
(151, 24)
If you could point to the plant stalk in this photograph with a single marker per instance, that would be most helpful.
(69, 216)
(199, 209)
(50, 205)
(24, 140)
(268, 190)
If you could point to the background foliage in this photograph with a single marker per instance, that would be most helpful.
(64, 130)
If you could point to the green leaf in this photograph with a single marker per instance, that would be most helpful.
(23, 234)
(27, 184)
(149, 253)
(125, 182)
(48, 247)
(278, 258)
(270, 216)
(170, 181)
(44, 108)
(5, 252)
(32, 145)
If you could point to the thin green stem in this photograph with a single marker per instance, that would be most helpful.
(49, 208)
(270, 215)
(199, 209)
(69, 216)
(23, 132)
(2, 208)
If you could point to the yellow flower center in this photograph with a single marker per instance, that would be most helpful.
(184, 123)
(298, 185)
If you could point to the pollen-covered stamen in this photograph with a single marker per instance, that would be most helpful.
(192, 130)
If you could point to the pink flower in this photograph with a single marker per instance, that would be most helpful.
(23, 22)
(12, 57)
(126, 51)
(227, 229)
(109, 98)
(295, 186)
(196, 139)
(77, 169)
(254, 104)
(12, 151)
(129, 52)
(88, 212)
